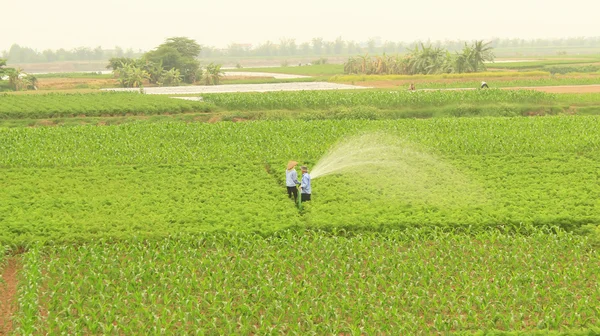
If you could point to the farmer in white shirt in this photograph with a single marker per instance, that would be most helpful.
(291, 180)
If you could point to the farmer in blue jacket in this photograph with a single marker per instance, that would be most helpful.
(305, 189)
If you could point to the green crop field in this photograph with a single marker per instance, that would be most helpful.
(116, 108)
(503, 83)
(150, 178)
(378, 99)
(313, 284)
(470, 225)
(56, 105)
(399, 104)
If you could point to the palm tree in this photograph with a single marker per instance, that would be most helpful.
(15, 79)
(32, 82)
(171, 77)
(156, 71)
(213, 74)
(461, 61)
(131, 75)
(380, 65)
(351, 66)
(364, 63)
(480, 53)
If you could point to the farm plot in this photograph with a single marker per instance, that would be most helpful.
(376, 99)
(410, 282)
(181, 228)
(96, 104)
(85, 182)
(115, 108)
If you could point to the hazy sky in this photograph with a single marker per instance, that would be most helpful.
(143, 24)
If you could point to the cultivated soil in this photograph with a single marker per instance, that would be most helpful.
(8, 291)
(74, 83)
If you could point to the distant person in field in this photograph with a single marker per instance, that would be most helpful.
(305, 189)
(291, 180)
(484, 85)
(411, 87)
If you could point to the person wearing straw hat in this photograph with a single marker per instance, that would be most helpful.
(291, 180)
(305, 189)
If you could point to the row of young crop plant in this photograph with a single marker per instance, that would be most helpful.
(402, 282)
(379, 99)
(92, 104)
(280, 141)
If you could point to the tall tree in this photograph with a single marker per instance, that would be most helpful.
(480, 53)
(185, 46)
(177, 53)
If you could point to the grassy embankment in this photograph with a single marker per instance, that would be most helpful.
(115, 108)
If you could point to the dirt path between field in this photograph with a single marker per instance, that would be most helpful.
(8, 294)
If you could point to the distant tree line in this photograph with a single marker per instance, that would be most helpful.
(19, 54)
(339, 46)
(287, 47)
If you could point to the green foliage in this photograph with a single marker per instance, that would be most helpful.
(213, 74)
(410, 282)
(186, 47)
(378, 99)
(178, 53)
(56, 105)
(117, 63)
(169, 64)
(130, 76)
(424, 60)
(18, 80)
(565, 69)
